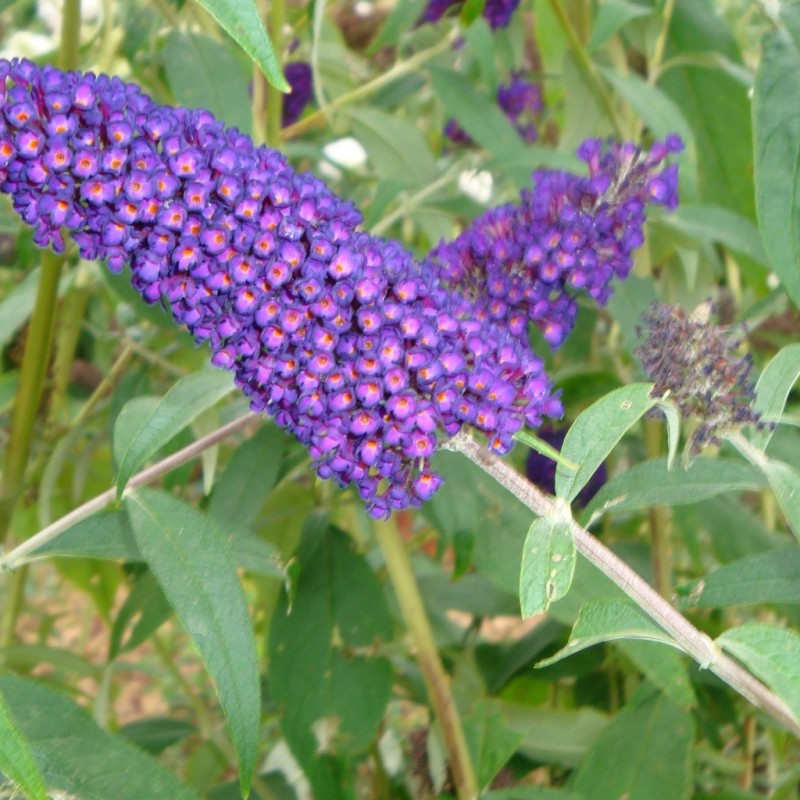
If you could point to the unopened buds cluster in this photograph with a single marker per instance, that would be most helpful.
(696, 363)
(362, 352)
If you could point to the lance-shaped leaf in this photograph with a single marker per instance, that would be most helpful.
(16, 758)
(646, 752)
(243, 22)
(772, 654)
(606, 621)
(777, 156)
(548, 564)
(771, 577)
(76, 757)
(772, 389)
(179, 407)
(595, 433)
(191, 560)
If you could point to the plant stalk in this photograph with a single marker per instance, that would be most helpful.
(399, 70)
(437, 682)
(31, 384)
(694, 642)
(659, 524)
(19, 555)
(274, 97)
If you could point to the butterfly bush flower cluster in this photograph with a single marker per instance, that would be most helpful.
(520, 100)
(696, 364)
(497, 13)
(525, 262)
(342, 337)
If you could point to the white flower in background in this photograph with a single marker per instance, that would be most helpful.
(476, 184)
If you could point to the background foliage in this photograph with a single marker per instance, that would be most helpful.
(236, 621)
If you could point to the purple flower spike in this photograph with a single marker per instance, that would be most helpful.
(360, 351)
(568, 234)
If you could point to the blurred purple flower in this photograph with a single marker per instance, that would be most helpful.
(347, 341)
(497, 13)
(525, 263)
(298, 76)
(521, 102)
(541, 470)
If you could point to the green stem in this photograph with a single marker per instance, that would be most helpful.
(659, 524)
(14, 596)
(412, 201)
(104, 386)
(694, 642)
(31, 383)
(66, 342)
(399, 70)
(587, 67)
(274, 98)
(68, 57)
(20, 554)
(437, 682)
(654, 67)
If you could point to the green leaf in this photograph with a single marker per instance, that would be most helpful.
(490, 741)
(672, 416)
(203, 73)
(531, 793)
(146, 607)
(16, 307)
(79, 758)
(770, 653)
(721, 225)
(772, 389)
(541, 446)
(16, 758)
(251, 474)
(477, 114)
(651, 483)
(631, 298)
(664, 667)
(548, 564)
(178, 408)
(156, 734)
(607, 621)
(395, 146)
(772, 577)
(243, 22)
(646, 752)
(653, 105)
(471, 11)
(554, 736)
(192, 562)
(333, 692)
(518, 164)
(106, 535)
(612, 16)
(595, 433)
(777, 156)
(257, 555)
(784, 480)
(715, 104)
